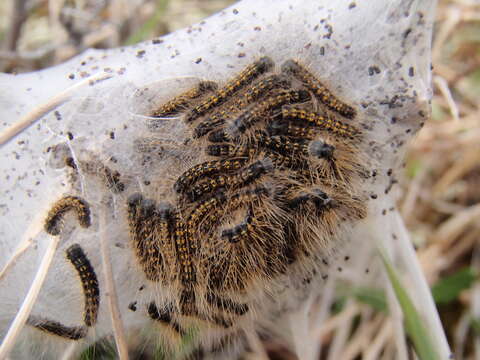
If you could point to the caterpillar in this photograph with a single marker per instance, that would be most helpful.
(61, 207)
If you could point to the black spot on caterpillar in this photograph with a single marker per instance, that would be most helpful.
(62, 206)
(245, 77)
(89, 282)
(320, 91)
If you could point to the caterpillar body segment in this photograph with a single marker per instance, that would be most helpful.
(328, 123)
(321, 92)
(204, 169)
(181, 102)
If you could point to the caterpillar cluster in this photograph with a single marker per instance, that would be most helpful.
(281, 177)
(277, 181)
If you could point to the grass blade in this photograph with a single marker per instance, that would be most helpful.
(147, 29)
(448, 288)
(475, 324)
(414, 324)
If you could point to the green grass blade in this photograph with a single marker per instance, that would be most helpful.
(444, 291)
(448, 289)
(475, 324)
(414, 324)
(149, 26)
